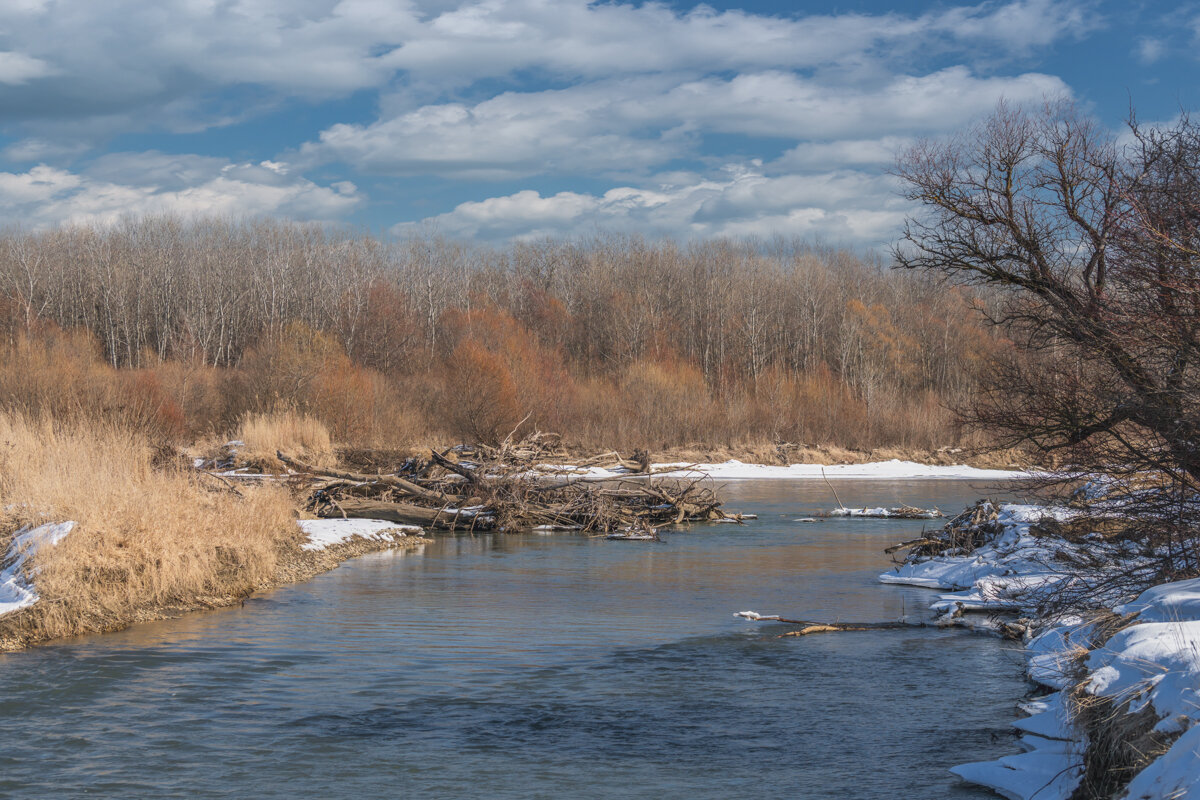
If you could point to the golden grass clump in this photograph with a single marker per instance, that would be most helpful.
(295, 434)
(148, 539)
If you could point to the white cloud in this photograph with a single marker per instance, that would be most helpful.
(810, 155)
(584, 128)
(1150, 49)
(502, 89)
(631, 125)
(1024, 24)
(788, 105)
(35, 149)
(492, 38)
(80, 58)
(838, 206)
(188, 185)
(18, 68)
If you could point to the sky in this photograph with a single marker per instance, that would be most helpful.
(495, 120)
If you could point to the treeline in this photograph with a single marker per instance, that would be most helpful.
(614, 341)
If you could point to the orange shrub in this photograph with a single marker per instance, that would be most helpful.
(479, 398)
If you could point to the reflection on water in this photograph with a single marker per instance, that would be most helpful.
(536, 666)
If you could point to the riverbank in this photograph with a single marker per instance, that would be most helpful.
(1117, 712)
(320, 546)
(768, 454)
(99, 531)
(894, 469)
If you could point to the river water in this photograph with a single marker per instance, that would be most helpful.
(537, 666)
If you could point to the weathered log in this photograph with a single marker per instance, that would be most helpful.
(631, 478)
(392, 512)
(913, 543)
(408, 487)
(809, 626)
(447, 464)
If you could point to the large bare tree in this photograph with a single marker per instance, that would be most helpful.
(1093, 247)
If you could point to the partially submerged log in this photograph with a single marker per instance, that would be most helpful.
(808, 627)
(1007, 629)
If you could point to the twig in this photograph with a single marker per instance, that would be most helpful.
(830, 485)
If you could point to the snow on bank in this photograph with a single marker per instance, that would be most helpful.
(1003, 575)
(880, 470)
(1154, 663)
(17, 590)
(324, 533)
(737, 470)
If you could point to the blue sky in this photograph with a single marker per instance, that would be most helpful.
(493, 120)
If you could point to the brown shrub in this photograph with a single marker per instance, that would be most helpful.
(479, 398)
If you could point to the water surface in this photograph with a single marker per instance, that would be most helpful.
(537, 666)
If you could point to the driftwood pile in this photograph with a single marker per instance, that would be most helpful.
(509, 488)
(964, 533)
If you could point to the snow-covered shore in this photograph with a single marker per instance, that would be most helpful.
(17, 589)
(324, 533)
(1150, 665)
(880, 470)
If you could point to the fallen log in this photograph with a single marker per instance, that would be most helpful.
(392, 512)
(810, 627)
(922, 542)
(1009, 630)
(393, 481)
(445, 463)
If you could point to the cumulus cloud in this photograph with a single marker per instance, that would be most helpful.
(18, 68)
(634, 124)
(580, 129)
(152, 183)
(843, 206)
(1024, 24)
(80, 58)
(588, 40)
(791, 106)
(474, 90)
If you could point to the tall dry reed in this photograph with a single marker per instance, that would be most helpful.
(297, 435)
(148, 537)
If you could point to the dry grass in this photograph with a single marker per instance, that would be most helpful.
(1120, 744)
(148, 539)
(298, 435)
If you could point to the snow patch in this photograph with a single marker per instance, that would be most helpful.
(880, 470)
(738, 470)
(324, 533)
(17, 589)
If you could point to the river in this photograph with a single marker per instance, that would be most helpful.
(538, 666)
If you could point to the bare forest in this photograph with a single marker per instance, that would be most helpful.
(183, 328)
